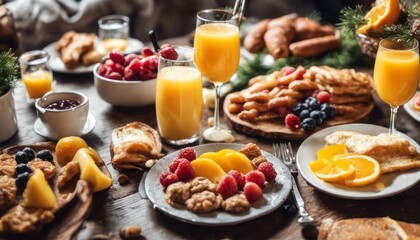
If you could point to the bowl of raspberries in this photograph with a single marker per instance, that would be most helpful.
(130, 80)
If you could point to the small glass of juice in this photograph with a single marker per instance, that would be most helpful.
(36, 76)
(114, 31)
(179, 98)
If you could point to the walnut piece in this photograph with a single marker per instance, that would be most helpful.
(177, 193)
(70, 170)
(251, 150)
(7, 165)
(46, 167)
(258, 160)
(7, 192)
(22, 220)
(203, 202)
(200, 184)
(236, 203)
(130, 232)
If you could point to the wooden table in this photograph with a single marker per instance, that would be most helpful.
(122, 206)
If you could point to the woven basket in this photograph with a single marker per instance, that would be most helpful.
(368, 45)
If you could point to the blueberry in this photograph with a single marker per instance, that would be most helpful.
(22, 168)
(328, 109)
(45, 155)
(323, 116)
(289, 209)
(317, 116)
(309, 100)
(22, 157)
(297, 108)
(22, 180)
(305, 106)
(30, 152)
(308, 124)
(314, 105)
(304, 114)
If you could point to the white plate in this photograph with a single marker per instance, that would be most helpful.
(274, 194)
(43, 131)
(394, 182)
(410, 109)
(55, 63)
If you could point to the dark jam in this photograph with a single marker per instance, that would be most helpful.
(63, 105)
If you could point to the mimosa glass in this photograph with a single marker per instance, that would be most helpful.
(217, 47)
(179, 98)
(396, 74)
(114, 31)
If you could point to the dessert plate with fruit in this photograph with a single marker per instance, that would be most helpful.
(217, 184)
(413, 106)
(354, 161)
(57, 65)
(48, 183)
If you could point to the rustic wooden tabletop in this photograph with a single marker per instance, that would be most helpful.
(122, 206)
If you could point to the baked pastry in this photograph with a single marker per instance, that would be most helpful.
(133, 145)
(372, 228)
(73, 46)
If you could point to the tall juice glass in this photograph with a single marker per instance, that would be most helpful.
(179, 98)
(217, 48)
(396, 74)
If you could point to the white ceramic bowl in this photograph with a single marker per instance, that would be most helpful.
(125, 93)
(63, 123)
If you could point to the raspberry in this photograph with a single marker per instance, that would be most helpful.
(168, 178)
(168, 52)
(114, 75)
(145, 73)
(185, 171)
(117, 58)
(252, 192)
(135, 65)
(323, 97)
(150, 62)
(187, 153)
(268, 170)
(118, 68)
(146, 51)
(174, 165)
(227, 186)
(292, 121)
(130, 75)
(287, 70)
(257, 177)
(129, 58)
(239, 177)
(104, 70)
(109, 62)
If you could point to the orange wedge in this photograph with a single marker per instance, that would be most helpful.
(327, 153)
(366, 170)
(385, 13)
(335, 170)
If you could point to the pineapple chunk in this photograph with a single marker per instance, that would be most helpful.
(38, 193)
(90, 172)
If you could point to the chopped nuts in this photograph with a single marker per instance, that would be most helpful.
(123, 179)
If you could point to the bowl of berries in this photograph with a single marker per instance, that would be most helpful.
(129, 80)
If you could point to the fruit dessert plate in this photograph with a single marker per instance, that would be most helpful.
(45, 191)
(273, 195)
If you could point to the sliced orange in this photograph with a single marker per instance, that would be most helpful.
(327, 153)
(335, 170)
(367, 170)
(387, 12)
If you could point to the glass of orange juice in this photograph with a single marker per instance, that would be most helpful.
(36, 76)
(396, 74)
(217, 48)
(114, 31)
(179, 98)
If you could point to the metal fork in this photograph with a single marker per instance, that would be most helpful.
(284, 152)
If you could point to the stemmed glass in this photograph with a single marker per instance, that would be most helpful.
(217, 47)
(396, 74)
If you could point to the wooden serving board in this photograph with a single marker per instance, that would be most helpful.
(71, 213)
(275, 129)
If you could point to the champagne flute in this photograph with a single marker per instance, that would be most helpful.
(396, 74)
(217, 47)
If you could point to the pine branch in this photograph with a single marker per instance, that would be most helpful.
(351, 19)
(315, 15)
(8, 71)
(400, 32)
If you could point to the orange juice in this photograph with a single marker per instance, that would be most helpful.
(112, 44)
(396, 76)
(179, 100)
(217, 50)
(37, 83)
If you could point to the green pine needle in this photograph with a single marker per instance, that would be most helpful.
(315, 15)
(351, 19)
(8, 71)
